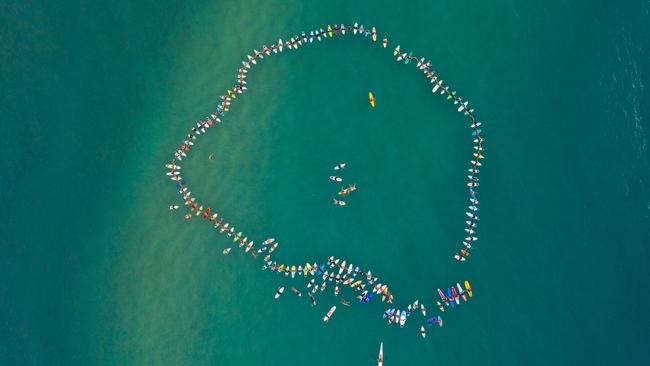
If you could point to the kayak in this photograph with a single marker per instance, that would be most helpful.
(293, 271)
(249, 246)
(327, 317)
(396, 51)
(423, 332)
(295, 291)
(268, 241)
(279, 293)
(354, 29)
(329, 31)
(374, 34)
(371, 98)
(469, 288)
(339, 166)
(380, 360)
(442, 308)
(384, 42)
(335, 178)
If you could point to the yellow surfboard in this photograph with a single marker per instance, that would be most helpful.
(371, 98)
(469, 288)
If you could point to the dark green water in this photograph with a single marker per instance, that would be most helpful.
(97, 271)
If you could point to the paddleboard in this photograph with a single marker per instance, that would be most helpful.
(468, 288)
(455, 295)
(451, 298)
(380, 360)
(461, 291)
(443, 297)
(329, 314)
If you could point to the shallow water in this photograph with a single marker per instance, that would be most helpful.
(99, 272)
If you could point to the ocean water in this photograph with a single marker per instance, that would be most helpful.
(95, 96)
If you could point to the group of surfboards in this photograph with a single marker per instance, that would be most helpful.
(336, 272)
(344, 191)
(471, 225)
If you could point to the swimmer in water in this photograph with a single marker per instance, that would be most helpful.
(211, 157)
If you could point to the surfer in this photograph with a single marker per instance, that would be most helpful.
(348, 190)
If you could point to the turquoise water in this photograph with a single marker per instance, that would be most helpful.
(97, 271)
